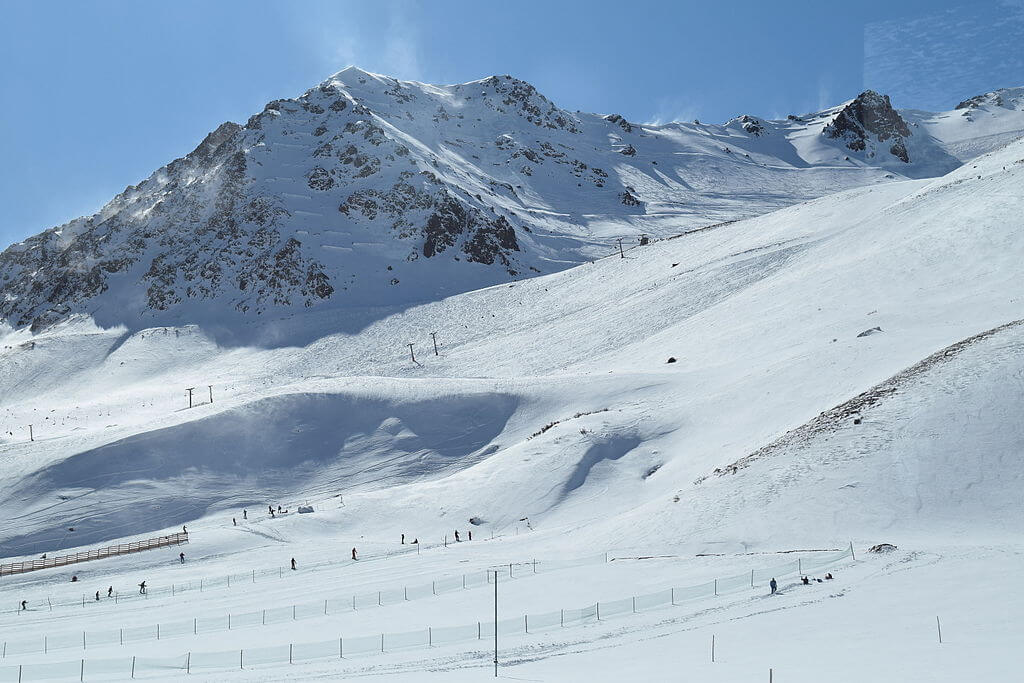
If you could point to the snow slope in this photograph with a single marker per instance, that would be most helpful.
(552, 419)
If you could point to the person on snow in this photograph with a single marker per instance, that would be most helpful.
(142, 588)
(184, 530)
(110, 592)
(471, 534)
(828, 577)
(234, 522)
(279, 508)
(181, 557)
(354, 554)
(457, 539)
(403, 539)
(74, 578)
(805, 580)
(97, 596)
(245, 514)
(293, 564)
(24, 605)
(271, 508)
(774, 585)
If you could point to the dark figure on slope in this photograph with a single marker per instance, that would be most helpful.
(354, 554)
(24, 605)
(774, 585)
(234, 522)
(457, 539)
(181, 557)
(142, 588)
(74, 579)
(293, 564)
(806, 581)
(97, 596)
(245, 514)
(110, 592)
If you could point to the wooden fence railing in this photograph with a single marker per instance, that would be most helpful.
(97, 554)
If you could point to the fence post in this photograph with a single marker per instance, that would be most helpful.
(229, 580)
(158, 631)
(463, 582)
(341, 648)
(264, 617)
(188, 662)
(751, 578)
(195, 625)
(133, 666)
(673, 599)
(526, 623)
(799, 566)
(81, 672)
(378, 599)
(716, 586)
(289, 653)
(510, 570)
(200, 585)
(433, 587)
(229, 621)
(939, 627)
(254, 576)
(121, 635)
(853, 552)
(712, 648)
(535, 565)
(430, 636)
(599, 611)
(44, 645)
(406, 589)
(293, 612)
(634, 604)
(172, 590)
(240, 659)
(479, 631)
(382, 642)
(325, 607)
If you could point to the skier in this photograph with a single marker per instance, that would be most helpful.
(234, 522)
(403, 539)
(110, 592)
(457, 539)
(773, 585)
(74, 579)
(293, 564)
(245, 514)
(354, 554)
(184, 530)
(24, 605)
(181, 558)
(829, 577)
(279, 508)
(142, 588)
(97, 596)
(415, 541)
(271, 508)
(471, 534)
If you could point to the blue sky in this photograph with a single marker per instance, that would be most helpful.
(94, 96)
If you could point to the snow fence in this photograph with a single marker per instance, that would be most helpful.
(345, 647)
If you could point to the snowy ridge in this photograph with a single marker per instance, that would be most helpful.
(368, 192)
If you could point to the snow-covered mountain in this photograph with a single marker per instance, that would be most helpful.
(367, 191)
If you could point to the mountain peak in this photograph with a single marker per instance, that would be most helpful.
(870, 116)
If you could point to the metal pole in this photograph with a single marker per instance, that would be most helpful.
(211, 392)
(433, 335)
(712, 648)
(939, 627)
(621, 254)
(853, 552)
(495, 623)
(411, 354)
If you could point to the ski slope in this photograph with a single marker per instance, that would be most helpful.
(552, 418)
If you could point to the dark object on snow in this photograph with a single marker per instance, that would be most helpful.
(97, 596)
(305, 509)
(471, 534)
(829, 577)
(181, 557)
(110, 592)
(806, 581)
(74, 579)
(882, 548)
(476, 521)
(184, 530)
(774, 585)
(71, 528)
(245, 514)
(234, 522)
(354, 552)
(293, 564)
(671, 359)
(403, 539)
(24, 605)
(868, 333)
(457, 539)
(856, 420)
(142, 588)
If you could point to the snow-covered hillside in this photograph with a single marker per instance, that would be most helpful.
(369, 192)
(646, 432)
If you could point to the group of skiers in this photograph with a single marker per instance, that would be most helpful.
(805, 580)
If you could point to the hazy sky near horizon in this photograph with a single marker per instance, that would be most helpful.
(96, 95)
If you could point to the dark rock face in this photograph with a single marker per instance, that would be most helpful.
(753, 126)
(993, 98)
(870, 117)
(622, 122)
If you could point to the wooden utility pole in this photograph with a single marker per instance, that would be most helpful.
(433, 335)
(621, 253)
(411, 354)
(189, 390)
